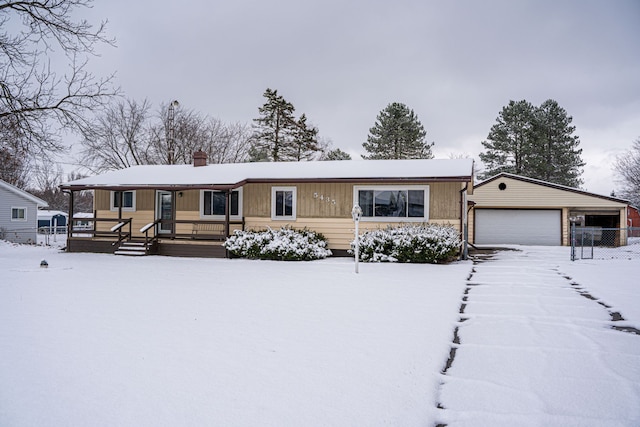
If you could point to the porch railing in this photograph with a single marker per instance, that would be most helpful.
(199, 229)
(120, 230)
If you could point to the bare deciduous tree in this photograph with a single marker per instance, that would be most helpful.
(36, 101)
(627, 167)
(124, 135)
(118, 138)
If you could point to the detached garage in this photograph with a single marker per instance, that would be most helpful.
(511, 209)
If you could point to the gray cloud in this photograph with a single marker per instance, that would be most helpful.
(340, 62)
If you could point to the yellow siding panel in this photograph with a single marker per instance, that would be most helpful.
(339, 232)
(519, 194)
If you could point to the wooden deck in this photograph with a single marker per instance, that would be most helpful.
(167, 247)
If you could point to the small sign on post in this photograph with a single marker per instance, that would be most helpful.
(356, 214)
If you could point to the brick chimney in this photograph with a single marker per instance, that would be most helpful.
(199, 158)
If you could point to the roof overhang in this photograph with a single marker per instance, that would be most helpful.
(225, 187)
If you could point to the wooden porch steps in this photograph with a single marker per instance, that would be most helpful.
(132, 249)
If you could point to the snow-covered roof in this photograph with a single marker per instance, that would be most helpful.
(235, 173)
(38, 201)
(48, 214)
(83, 215)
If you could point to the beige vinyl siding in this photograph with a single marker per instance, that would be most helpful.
(520, 194)
(335, 200)
(339, 232)
(188, 202)
(324, 207)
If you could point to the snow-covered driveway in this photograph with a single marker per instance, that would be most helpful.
(536, 349)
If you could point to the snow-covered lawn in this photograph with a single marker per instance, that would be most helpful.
(105, 340)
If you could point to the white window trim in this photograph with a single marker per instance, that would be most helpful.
(425, 188)
(112, 202)
(221, 217)
(19, 219)
(294, 202)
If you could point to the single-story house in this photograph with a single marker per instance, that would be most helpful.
(512, 209)
(188, 210)
(51, 218)
(18, 214)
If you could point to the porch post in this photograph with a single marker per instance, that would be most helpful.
(227, 209)
(119, 193)
(70, 221)
(174, 201)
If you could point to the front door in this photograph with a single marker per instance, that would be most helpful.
(164, 211)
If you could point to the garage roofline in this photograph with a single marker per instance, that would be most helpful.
(550, 185)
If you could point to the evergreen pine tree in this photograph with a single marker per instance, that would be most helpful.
(336, 154)
(557, 156)
(273, 128)
(397, 134)
(510, 141)
(279, 136)
(536, 142)
(304, 143)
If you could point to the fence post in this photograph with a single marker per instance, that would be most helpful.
(573, 241)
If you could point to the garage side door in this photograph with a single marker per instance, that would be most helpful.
(518, 226)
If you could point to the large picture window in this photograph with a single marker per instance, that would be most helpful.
(213, 204)
(283, 203)
(18, 214)
(409, 203)
(128, 200)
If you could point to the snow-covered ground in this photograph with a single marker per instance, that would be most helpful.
(104, 340)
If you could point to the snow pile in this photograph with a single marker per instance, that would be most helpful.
(285, 244)
(429, 243)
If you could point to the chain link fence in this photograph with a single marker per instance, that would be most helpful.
(605, 243)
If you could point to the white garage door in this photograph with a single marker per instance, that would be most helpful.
(518, 226)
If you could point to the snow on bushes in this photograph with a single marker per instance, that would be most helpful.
(429, 243)
(285, 244)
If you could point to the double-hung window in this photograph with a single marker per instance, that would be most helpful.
(128, 200)
(212, 204)
(18, 214)
(401, 204)
(283, 203)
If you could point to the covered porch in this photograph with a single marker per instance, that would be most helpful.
(151, 221)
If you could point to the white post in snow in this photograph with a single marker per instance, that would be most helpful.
(55, 229)
(356, 214)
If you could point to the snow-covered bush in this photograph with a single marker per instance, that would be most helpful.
(428, 243)
(285, 244)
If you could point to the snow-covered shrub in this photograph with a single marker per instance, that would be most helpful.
(429, 243)
(285, 244)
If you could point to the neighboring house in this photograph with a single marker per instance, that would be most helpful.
(188, 210)
(18, 214)
(511, 209)
(50, 219)
(633, 220)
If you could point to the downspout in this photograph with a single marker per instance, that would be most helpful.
(463, 221)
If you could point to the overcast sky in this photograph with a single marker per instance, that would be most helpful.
(455, 63)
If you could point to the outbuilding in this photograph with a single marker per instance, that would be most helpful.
(512, 209)
(52, 219)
